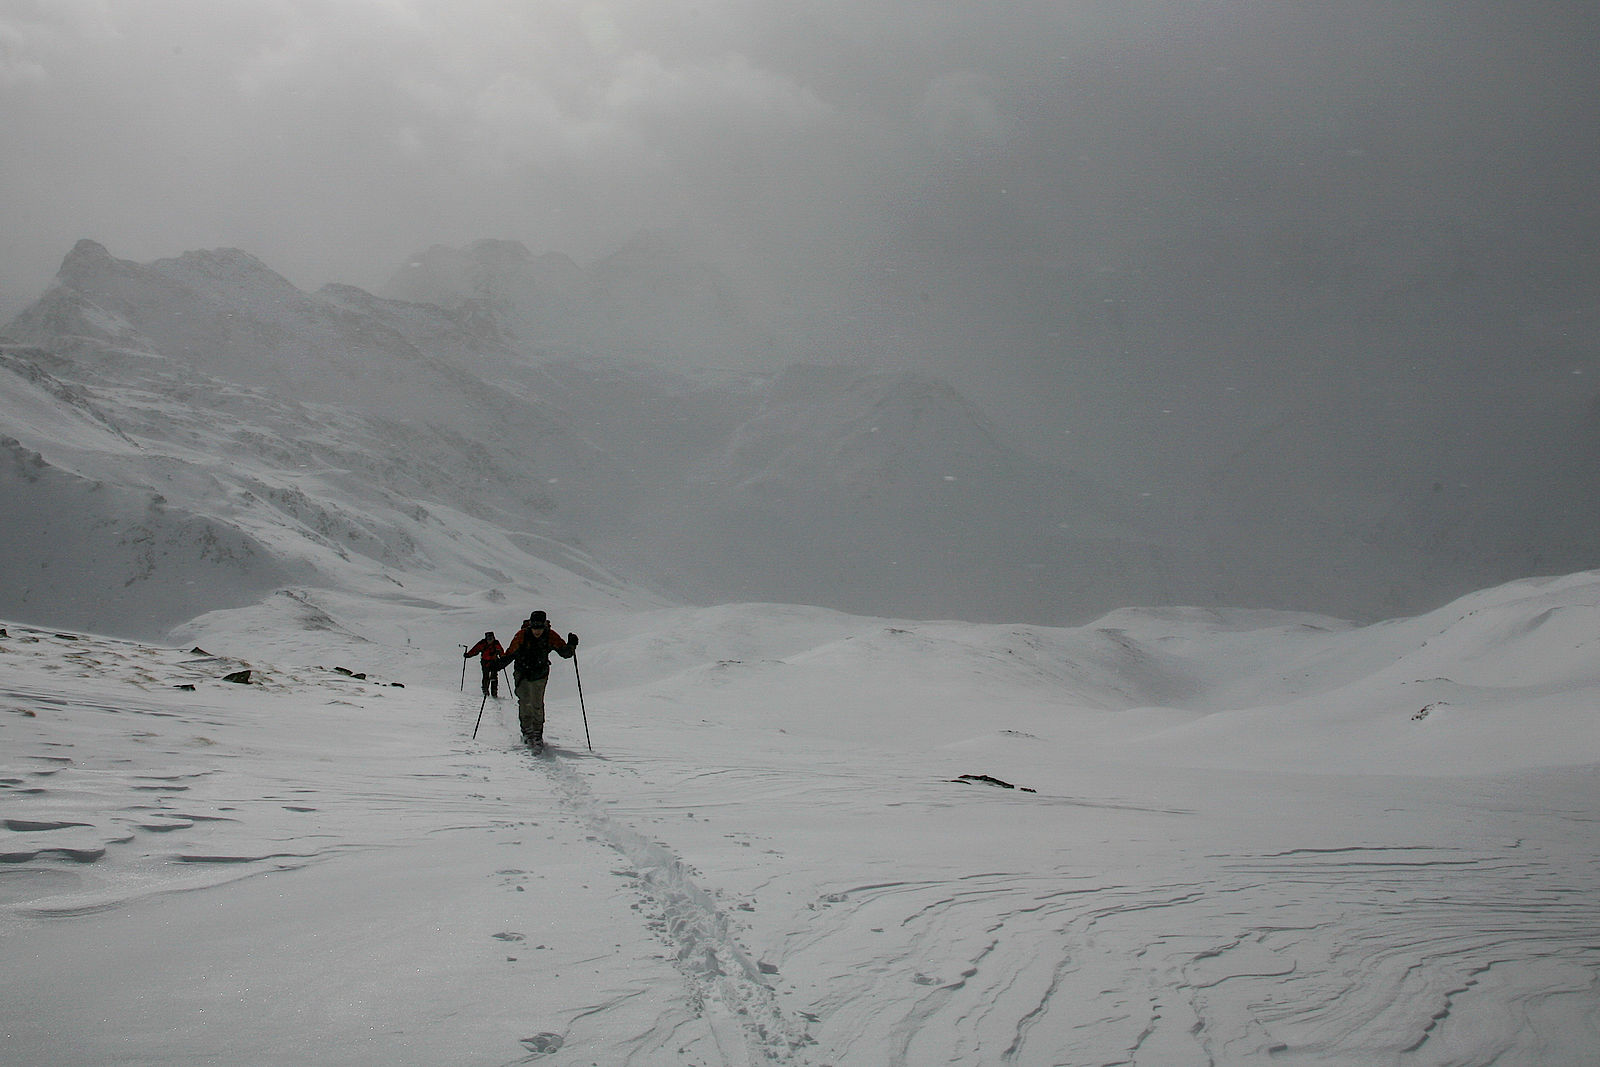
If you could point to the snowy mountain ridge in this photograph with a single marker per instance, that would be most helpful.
(342, 427)
(1360, 489)
(877, 492)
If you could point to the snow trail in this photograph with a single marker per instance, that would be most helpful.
(725, 986)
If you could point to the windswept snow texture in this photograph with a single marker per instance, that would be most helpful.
(1248, 838)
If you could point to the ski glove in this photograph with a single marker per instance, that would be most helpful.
(572, 640)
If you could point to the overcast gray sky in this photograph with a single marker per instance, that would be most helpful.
(1195, 185)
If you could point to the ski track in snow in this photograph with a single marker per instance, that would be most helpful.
(102, 811)
(725, 987)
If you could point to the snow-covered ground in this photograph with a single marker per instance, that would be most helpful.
(1228, 838)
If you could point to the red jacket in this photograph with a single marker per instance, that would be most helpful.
(489, 648)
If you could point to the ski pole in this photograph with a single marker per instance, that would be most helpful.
(463, 670)
(579, 676)
(479, 723)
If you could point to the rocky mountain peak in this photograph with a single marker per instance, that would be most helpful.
(87, 260)
(495, 252)
(87, 251)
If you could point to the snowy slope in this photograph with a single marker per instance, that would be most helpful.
(150, 496)
(168, 405)
(1233, 838)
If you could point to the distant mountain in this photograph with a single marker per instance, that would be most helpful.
(224, 313)
(192, 432)
(882, 494)
(221, 433)
(651, 300)
(307, 434)
(546, 300)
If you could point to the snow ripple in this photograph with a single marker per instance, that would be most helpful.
(1429, 952)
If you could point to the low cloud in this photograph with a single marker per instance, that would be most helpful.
(1058, 201)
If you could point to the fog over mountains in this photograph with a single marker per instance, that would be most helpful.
(500, 421)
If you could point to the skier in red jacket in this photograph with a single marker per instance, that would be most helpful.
(489, 648)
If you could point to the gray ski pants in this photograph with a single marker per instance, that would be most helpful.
(530, 705)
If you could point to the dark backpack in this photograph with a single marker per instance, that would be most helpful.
(533, 655)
